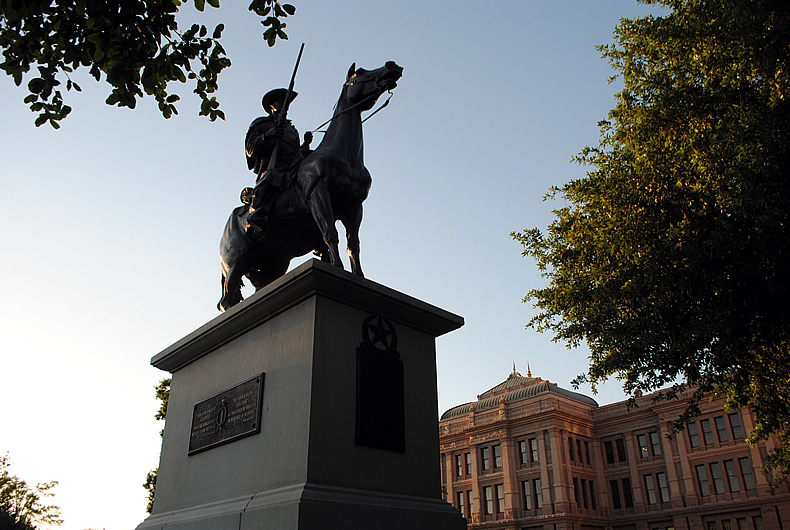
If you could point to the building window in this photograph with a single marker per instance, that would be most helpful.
(500, 498)
(758, 522)
(628, 496)
(614, 489)
(615, 451)
(721, 429)
(527, 491)
(587, 452)
(488, 500)
(707, 431)
(623, 487)
(735, 425)
(693, 435)
(533, 495)
(732, 475)
(748, 473)
(592, 495)
(643, 449)
(579, 451)
(718, 479)
(609, 451)
(463, 464)
(742, 524)
(648, 442)
(585, 495)
(621, 454)
(485, 454)
(702, 480)
(726, 524)
(711, 525)
(528, 451)
(570, 449)
(522, 451)
(663, 486)
(650, 489)
(497, 456)
(461, 503)
(656, 443)
(577, 492)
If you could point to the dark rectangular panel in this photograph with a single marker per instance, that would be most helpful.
(380, 402)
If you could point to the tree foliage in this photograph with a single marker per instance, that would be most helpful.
(134, 45)
(671, 258)
(21, 506)
(163, 395)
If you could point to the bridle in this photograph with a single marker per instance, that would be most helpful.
(351, 81)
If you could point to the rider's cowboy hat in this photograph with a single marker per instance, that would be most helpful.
(274, 97)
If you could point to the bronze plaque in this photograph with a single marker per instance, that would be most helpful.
(228, 416)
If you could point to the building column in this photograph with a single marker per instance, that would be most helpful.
(754, 451)
(509, 463)
(449, 473)
(561, 502)
(668, 452)
(636, 480)
(477, 506)
(687, 474)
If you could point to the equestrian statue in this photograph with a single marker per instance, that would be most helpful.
(300, 194)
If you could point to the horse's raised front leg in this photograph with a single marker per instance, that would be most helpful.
(321, 208)
(352, 223)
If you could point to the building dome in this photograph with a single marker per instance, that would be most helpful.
(515, 388)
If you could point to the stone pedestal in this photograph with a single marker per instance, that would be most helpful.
(345, 435)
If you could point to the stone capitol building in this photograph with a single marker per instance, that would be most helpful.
(529, 454)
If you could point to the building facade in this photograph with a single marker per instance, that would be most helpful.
(529, 454)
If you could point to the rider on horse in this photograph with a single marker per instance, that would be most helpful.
(262, 137)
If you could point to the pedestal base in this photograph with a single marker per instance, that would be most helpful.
(312, 506)
(326, 450)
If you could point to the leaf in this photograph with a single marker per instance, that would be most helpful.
(36, 85)
(213, 3)
(289, 9)
(218, 31)
(200, 5)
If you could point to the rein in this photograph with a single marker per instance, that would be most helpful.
(352, 107)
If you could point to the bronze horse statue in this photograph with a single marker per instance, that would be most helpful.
(329, 185)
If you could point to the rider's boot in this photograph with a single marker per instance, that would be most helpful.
(257, 218)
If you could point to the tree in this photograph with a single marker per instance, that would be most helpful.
(671, 258)
(21, 506)
(163, 395)
(136, 44)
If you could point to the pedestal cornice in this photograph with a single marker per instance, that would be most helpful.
(312, 278)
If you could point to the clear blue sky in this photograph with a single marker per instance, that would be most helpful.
(110, 225)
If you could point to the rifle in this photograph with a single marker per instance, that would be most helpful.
(282, 113)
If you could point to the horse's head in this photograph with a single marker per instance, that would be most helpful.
(364, 87)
